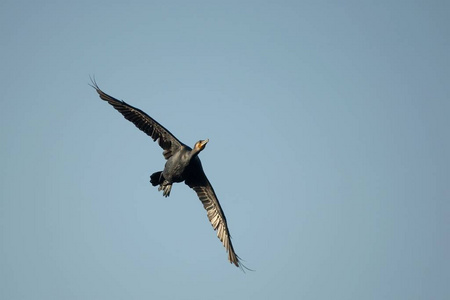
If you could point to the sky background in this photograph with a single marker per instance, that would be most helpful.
(329, 149)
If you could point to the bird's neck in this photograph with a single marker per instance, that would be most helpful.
(193, 153)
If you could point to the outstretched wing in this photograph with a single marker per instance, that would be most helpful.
(205, 192)
(144, 122)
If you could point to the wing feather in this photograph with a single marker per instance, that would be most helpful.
(207, 196)
(144, 122)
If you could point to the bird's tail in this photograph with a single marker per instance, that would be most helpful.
(156, 178)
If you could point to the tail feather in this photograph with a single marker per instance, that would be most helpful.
(156, 178)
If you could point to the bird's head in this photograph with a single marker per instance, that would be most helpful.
(200, 145)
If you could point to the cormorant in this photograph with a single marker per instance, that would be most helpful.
(182, 164)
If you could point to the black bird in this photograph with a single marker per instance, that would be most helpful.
(182, 164)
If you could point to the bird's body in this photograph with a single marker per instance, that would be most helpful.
(183, 164)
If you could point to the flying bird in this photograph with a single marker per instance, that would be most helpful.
(183, 164)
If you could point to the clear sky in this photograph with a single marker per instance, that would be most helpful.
(329, 149)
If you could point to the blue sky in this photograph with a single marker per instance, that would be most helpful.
(329, 149)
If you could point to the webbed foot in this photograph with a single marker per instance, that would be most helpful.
(166, 189)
